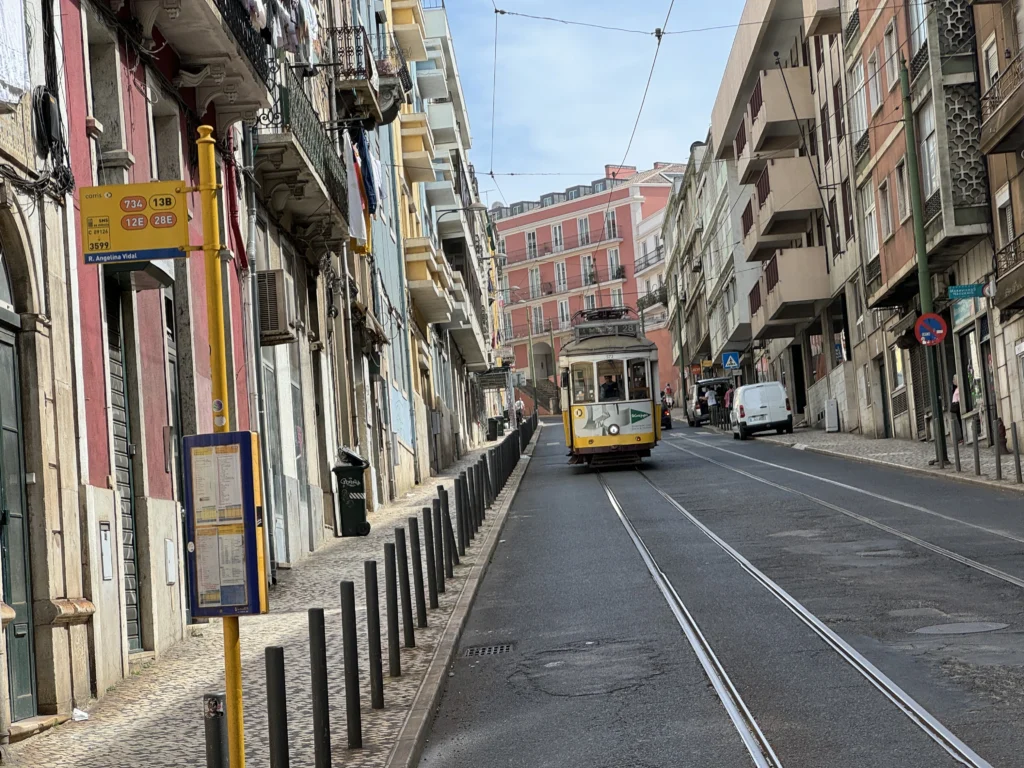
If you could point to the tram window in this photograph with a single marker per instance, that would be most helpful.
(583, 383)
(639, 389)
(610, 374)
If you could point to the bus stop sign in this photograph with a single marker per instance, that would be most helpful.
(930, 329)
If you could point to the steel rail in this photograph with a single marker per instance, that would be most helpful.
(753, 738)
(927, 722)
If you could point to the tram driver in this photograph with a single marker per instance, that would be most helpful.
(610, 390)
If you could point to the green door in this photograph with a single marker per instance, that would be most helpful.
(14, 536)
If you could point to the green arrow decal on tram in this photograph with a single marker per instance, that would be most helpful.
(635, 416)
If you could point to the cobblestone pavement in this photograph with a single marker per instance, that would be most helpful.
(910, 454)
(153, 719)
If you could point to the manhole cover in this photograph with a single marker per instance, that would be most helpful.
(963, 628)
(488, 650)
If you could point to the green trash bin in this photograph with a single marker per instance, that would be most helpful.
(352, 494)
(492, 428)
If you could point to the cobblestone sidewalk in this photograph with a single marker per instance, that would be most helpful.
(909, 454)
(153, 719)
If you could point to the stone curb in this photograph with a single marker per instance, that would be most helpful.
(413, 735)
(959, 477)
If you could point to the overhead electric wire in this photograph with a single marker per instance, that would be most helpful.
(494, 85)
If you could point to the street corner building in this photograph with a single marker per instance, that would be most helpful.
(790, 238)
(357, 266)
(590, 246)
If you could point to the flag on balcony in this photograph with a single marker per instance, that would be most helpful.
(357, 219)
(365, 169)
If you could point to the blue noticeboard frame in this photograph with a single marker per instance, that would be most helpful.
(731, 361)
(225, 469)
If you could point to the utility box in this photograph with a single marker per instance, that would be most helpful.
(352, 494)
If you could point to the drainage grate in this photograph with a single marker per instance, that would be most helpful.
(488, 650)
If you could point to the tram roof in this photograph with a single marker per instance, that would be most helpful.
(611, 344)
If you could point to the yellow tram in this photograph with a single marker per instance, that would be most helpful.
(610, 394)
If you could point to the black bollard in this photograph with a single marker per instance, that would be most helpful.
(403, 583)
(318, 689)
(1016, 452)
(977, 445)
(373, 635)
(350, 653)
(391, 603)
(446, 511)
(471, 503)
(956, 453)
(417, 571)
(481, 491)
(277, 707)
(216, 730)
(439, 546)
(459, 522)
(428, 543)
(999, 457)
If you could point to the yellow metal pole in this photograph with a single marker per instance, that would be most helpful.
(219, 374)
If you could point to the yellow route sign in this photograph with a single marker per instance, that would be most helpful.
(134, 222)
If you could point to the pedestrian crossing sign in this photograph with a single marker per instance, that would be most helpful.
(731, 361)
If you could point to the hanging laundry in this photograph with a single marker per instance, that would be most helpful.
(257, 14)
(378, 181)
(356, 225)
(363, 147)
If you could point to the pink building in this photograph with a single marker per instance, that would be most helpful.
(581, 248)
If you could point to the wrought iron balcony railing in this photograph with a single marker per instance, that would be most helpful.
(583, 240)
(852, 30)
(650, 259)
(1008, 82)
(657, 296)
(1010, 256)
(356, 59)
(391, 61)
(251, 42)
(553, 288)
(293, 113)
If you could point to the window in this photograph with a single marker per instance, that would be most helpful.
(564, 318)
(918, 16)
(867, 207)
(613, 264)
(833, 225)
(885, 214)
(531, 245)
(928, 148)
(590, 301)
(990, 56)
(587, 267)
(617, 297)
(611, 380)
(508, 327)
(639, 389)
(898, 378)
(535, 283)
(538, 319)
(819, 53)
(902, 190)
(582, 382)
(826, 142)
(858, 104)
(557, 242)
(839, 107)
(1004, 224)
(892, 63)
(848, 225)
(610, 227)
(874, 84)
(561, 278)
(583, 225)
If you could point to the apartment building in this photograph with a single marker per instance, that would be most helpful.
(573, 250)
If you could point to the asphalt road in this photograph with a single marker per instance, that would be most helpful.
(906, 570)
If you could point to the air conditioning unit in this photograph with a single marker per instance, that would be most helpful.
(940, 285)
(277, 315)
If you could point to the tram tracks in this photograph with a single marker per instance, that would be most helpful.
(753, 737)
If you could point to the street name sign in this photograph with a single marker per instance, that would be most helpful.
(224, 525)
(967, 291)
(134, 222)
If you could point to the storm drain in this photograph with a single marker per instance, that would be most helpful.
(488, 650)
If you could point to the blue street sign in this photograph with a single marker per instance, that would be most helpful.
(968, 291)
(731, 361)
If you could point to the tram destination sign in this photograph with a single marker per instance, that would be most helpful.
(134, 222)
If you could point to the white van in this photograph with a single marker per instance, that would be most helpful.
(760, 407)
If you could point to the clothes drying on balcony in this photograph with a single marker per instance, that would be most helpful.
(357, 226)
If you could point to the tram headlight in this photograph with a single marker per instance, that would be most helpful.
(614, 429)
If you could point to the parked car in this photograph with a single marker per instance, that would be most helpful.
(697, 410)
(759, 408)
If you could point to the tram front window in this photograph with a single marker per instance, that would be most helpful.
(610, 373)
(583, 383)
(639, 389)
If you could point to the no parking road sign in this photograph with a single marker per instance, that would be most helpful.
(930, 329)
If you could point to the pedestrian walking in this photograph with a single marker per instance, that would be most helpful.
(954, 408)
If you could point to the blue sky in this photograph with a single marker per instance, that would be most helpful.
(567, 96)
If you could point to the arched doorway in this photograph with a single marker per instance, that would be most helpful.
(14, 537)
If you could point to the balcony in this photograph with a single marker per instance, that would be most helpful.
(1002, 111)
(222, 56)
(298, 168)
(417, 147)
(355, 71)
(571, 284)
(465, 326)
(441, 191)
(409, 30)
(773, 124)
(648, 260)
(653, 299)
(794, 284)
(757, 246)
(441, 113)
(586, 241)
(393, 70)
(1010, 276)
(429, 278)
(822, 17)
(787, 195)
(432, 75)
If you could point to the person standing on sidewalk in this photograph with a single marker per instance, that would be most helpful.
(954, 408)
